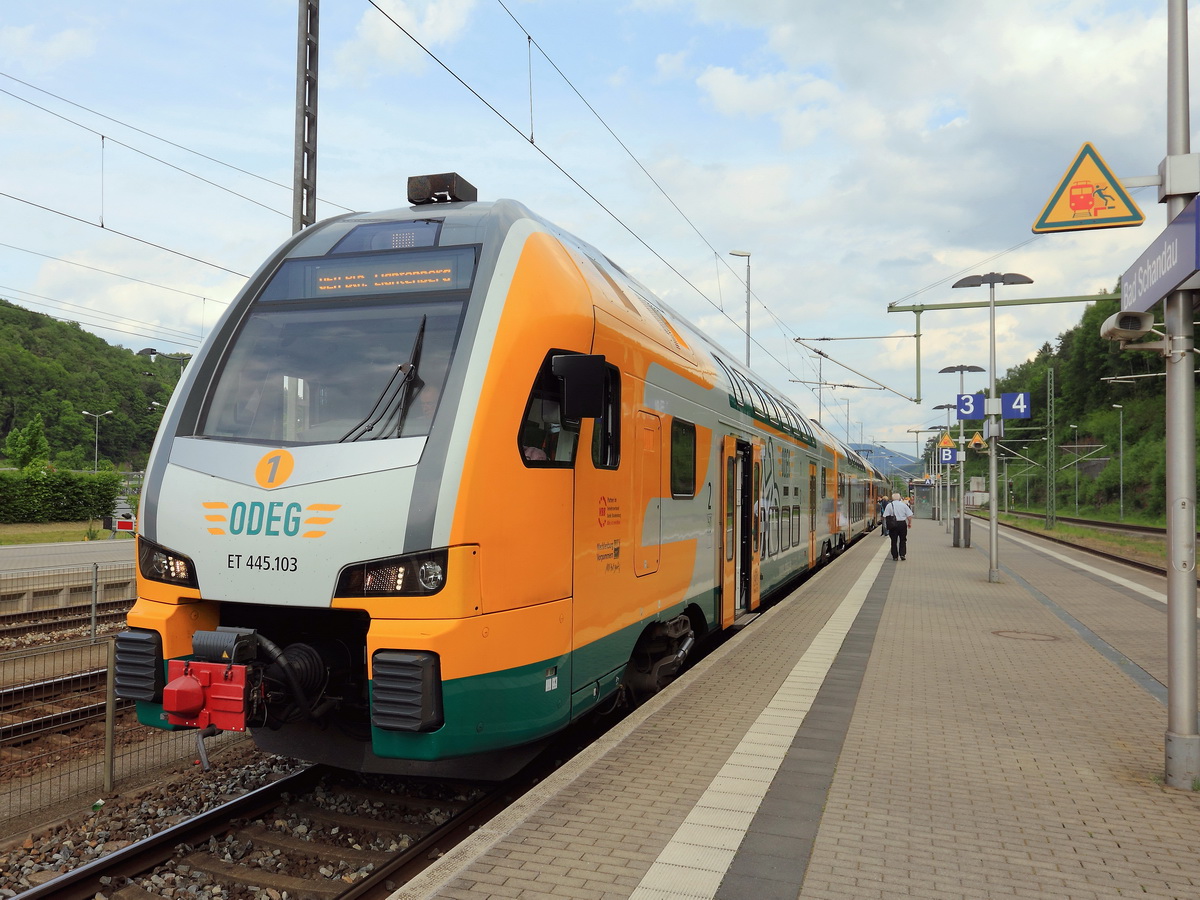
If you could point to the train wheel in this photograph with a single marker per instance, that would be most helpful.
(657, 657)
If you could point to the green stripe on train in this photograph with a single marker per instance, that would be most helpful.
(519, 705)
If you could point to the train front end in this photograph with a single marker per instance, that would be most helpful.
(295, 576)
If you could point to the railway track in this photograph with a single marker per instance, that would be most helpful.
(53, 706)
(319, 834)
(48, 621)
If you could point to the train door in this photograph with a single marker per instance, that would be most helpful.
(812, 514)
(760, 529)
(739, 531)
(649, 488)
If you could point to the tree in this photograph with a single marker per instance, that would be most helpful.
(27, 445)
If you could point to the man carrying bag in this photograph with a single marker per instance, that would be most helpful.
(897, 519)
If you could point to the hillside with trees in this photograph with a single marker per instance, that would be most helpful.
(56, 370)
(1081, 361)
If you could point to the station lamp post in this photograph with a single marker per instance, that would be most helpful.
(1075, 438)
(991, 279)
(1121, 458)
(96, 448)
(946, 469)
(152, 353)
(746, 253)
(962, 449)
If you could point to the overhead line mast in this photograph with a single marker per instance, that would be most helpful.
(304, 183)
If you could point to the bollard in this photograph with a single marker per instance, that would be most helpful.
(966, 533)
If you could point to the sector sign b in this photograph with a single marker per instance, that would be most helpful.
(1088, 197)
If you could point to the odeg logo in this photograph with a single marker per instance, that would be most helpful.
(273, 519)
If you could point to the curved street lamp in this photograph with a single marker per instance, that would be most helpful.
(96, 447)
(1121, 457)
(1075, 438)
(991, 279)
(962, 459)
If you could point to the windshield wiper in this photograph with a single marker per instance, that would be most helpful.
(393, 401)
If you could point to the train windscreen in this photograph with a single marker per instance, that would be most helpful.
(308, 367)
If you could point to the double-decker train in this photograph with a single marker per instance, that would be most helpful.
(443, 480)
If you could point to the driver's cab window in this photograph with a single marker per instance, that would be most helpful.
(546, 439)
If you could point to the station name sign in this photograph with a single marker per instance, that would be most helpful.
(1168, 262)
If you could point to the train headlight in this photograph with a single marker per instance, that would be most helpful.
(157, 563)
(431, 575)
(414, 575)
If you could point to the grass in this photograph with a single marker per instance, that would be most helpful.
(55, 532)
(1139, 548)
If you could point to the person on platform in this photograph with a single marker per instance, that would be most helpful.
(898, 517)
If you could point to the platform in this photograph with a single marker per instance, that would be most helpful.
(891, 729)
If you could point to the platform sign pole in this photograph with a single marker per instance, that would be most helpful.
(1182, 740)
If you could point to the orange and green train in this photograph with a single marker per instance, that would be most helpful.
(443, 480)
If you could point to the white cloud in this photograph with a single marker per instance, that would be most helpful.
(379, 45)
(43, 51)
(863, 152)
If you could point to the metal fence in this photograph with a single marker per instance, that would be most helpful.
(104, 750)
(36, 590)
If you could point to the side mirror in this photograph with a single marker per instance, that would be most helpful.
(583, 385)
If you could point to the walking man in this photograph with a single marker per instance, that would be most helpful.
(898, 516)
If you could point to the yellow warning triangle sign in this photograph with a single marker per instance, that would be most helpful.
(1088, 197)
(946, 441)
(977, 442)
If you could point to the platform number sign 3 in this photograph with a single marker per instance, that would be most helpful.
(970, 406)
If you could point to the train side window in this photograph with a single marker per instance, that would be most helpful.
(546, 439)
(796, 524)
(606, 435)
(683, 459)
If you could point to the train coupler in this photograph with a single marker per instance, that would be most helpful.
(203, 694)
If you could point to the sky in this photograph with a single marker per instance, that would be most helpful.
(866, 154)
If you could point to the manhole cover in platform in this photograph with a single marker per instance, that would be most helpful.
(1025, 635)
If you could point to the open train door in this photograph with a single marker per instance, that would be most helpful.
(813, 487)
(754, 590)
(738, 528)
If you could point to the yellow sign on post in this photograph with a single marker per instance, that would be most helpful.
(1088, 197)
(946, 440)
(977, 442)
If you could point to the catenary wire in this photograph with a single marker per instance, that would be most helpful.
(572, 178)
(156, 137)
(71, 262)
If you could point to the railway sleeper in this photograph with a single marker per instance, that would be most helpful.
(350, 821)
(290, 845)
(234, 876)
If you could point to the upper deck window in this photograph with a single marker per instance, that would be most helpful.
(405, 235)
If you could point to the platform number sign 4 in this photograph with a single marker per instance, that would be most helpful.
(1012, 406)
(1015, 406)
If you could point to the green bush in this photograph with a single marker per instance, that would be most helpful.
(40, 493)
